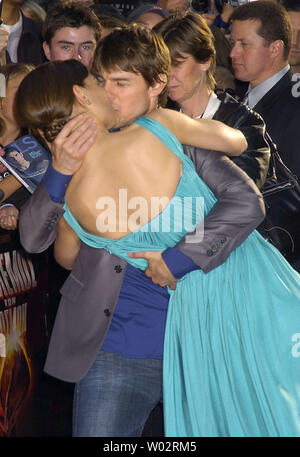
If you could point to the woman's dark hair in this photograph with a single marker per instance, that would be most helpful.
(45, 97)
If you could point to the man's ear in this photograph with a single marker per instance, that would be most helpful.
(277, 48)
(159, 85)
(81, 97)
(47, 51)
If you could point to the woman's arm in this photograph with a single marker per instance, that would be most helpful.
(208, 134)
(66, 246)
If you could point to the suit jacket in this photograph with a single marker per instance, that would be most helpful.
(30, 48)
(91, 291)
(280, 109)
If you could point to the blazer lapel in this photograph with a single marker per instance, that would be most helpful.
(269, 98)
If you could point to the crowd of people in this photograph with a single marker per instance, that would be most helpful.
(148, 308)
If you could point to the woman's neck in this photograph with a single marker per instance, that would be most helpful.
(195, 106)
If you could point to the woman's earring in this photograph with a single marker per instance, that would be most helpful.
(87, 100)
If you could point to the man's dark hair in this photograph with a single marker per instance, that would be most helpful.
(274, 19)
(69, 14)
(134, 49)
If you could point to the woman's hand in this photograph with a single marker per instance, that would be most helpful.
(72, 143)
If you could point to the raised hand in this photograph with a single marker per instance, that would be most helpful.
(174, 5)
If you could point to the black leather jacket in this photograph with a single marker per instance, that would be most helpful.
(255, 160)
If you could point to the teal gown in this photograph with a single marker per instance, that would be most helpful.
(232, 340)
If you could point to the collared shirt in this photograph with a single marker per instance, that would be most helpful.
(212, 107)
(255, 94)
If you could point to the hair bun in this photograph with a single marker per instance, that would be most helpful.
(52, 130)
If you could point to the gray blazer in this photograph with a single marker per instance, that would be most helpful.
(91, 291)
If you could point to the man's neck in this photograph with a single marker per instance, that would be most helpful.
(295, 69)
(268, 74)
(10, 13)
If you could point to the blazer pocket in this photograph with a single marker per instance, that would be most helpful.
(72, 288)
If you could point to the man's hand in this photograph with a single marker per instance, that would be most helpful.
(174, 5)
(9, 216)
(209, 18)
(227, 10)
(157, 269)
(72, 143)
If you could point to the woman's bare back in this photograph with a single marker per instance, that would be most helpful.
(124, 172)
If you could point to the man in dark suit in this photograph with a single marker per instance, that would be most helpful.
(119, 378)
(261, 37)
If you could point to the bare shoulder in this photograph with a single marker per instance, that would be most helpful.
(175, 121)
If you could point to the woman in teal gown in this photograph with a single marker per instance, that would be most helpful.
(231, 365)
(231, 360)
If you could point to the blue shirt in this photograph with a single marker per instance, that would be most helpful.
(138, 324)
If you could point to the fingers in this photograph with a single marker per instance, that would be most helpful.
(72, 143)
(69, 127)
(172, 286)
(76, 132)
(138, 255)
(8, 222)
